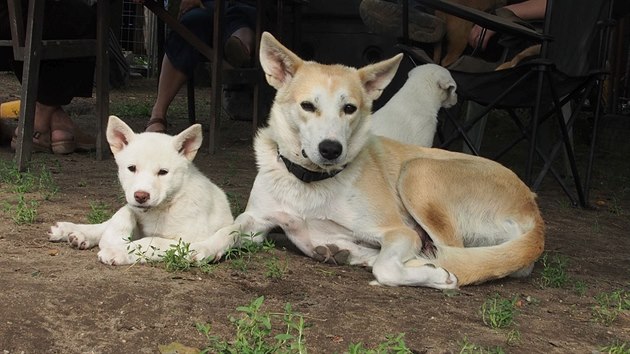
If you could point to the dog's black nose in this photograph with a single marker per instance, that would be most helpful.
(141, 197)
(330, 149)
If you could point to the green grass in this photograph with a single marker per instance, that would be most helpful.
(261, 332)
(99, 213)
(258, 331)
(498, 312)
(392, 344)
(467, 347)
(610, 305)
(616, 348)
(554, 273)
(24, 212)
(275, 269)
(241, 256)
(131, 109)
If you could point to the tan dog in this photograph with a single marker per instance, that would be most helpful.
(418, 216)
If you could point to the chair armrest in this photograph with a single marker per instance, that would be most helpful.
(484, 19)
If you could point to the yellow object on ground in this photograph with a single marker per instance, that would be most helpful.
(10, 110)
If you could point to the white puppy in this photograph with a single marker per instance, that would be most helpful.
(168, 198)
(410, 116)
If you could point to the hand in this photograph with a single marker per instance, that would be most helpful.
(187, 5)
(475, 35)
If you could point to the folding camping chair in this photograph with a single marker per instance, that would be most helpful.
(567, 70)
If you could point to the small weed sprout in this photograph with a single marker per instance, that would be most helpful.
(275, 269)
(24, 212)
(616, 348)
(392, 344)
(177, 257)
(467, 347)
(255, 332)
(240, 256)
(554, 272)
(47, 186)
(99, 213)
(610, 305)
(497, 312)
(513, 337)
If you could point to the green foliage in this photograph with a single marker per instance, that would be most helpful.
(178, 258)
(24, 212)
(610, 305)
(554, 273)
(498, 312)
(467, 347)
(257, 333)
(392, 344)
(275, 269)
(99, 213)
(131, 109)
(616, 348)
(241, 255)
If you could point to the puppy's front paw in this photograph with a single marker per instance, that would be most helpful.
(67, 231)
(202, 252)
(115, 256)
(60, 231)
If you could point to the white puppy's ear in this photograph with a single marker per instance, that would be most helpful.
(118, 134)
(278, 62)
(189, 141)
(375, 77)
(449, 87)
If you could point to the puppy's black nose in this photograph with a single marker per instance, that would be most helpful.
(141, 197)
(330, 149)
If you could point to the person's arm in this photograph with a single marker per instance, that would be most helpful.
(526, 10)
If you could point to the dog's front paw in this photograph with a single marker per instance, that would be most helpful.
(115, 256)
(202, 252)
(440, 278)
(67, 231)
(331, 254)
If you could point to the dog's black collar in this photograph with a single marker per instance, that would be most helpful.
(305, 175)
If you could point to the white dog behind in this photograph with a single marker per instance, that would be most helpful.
(168, 198)
(410, 116)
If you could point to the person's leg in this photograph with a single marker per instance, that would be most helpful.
(179, 63)
(171, 81)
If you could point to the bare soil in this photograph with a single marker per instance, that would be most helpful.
(55, 299)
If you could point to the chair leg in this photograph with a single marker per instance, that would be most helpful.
(102, 78)
(30, 82)
(535, 118)
(190, 87)
(217, 70)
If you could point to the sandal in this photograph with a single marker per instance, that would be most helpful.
(81, 142)
(156, 121)
(41, 142)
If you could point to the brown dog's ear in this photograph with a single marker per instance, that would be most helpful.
(278, 62)
(375, 77)
(118, 134)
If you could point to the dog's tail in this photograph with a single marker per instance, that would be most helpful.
(474, 265)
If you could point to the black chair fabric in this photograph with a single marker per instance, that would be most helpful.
(568, 68)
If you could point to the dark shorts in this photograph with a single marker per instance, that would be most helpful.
(59, 80)
(184, 56)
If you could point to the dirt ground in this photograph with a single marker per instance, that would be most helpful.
(55, 299)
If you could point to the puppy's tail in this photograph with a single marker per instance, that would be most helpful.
(474, 265)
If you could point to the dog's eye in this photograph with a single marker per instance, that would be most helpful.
(162, 172)
(307, 106)
(349, 108)
(131, 168)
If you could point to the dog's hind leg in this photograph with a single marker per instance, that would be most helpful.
(81, 236)
(393, 265)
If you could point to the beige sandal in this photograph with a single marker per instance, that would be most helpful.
(41, 142)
